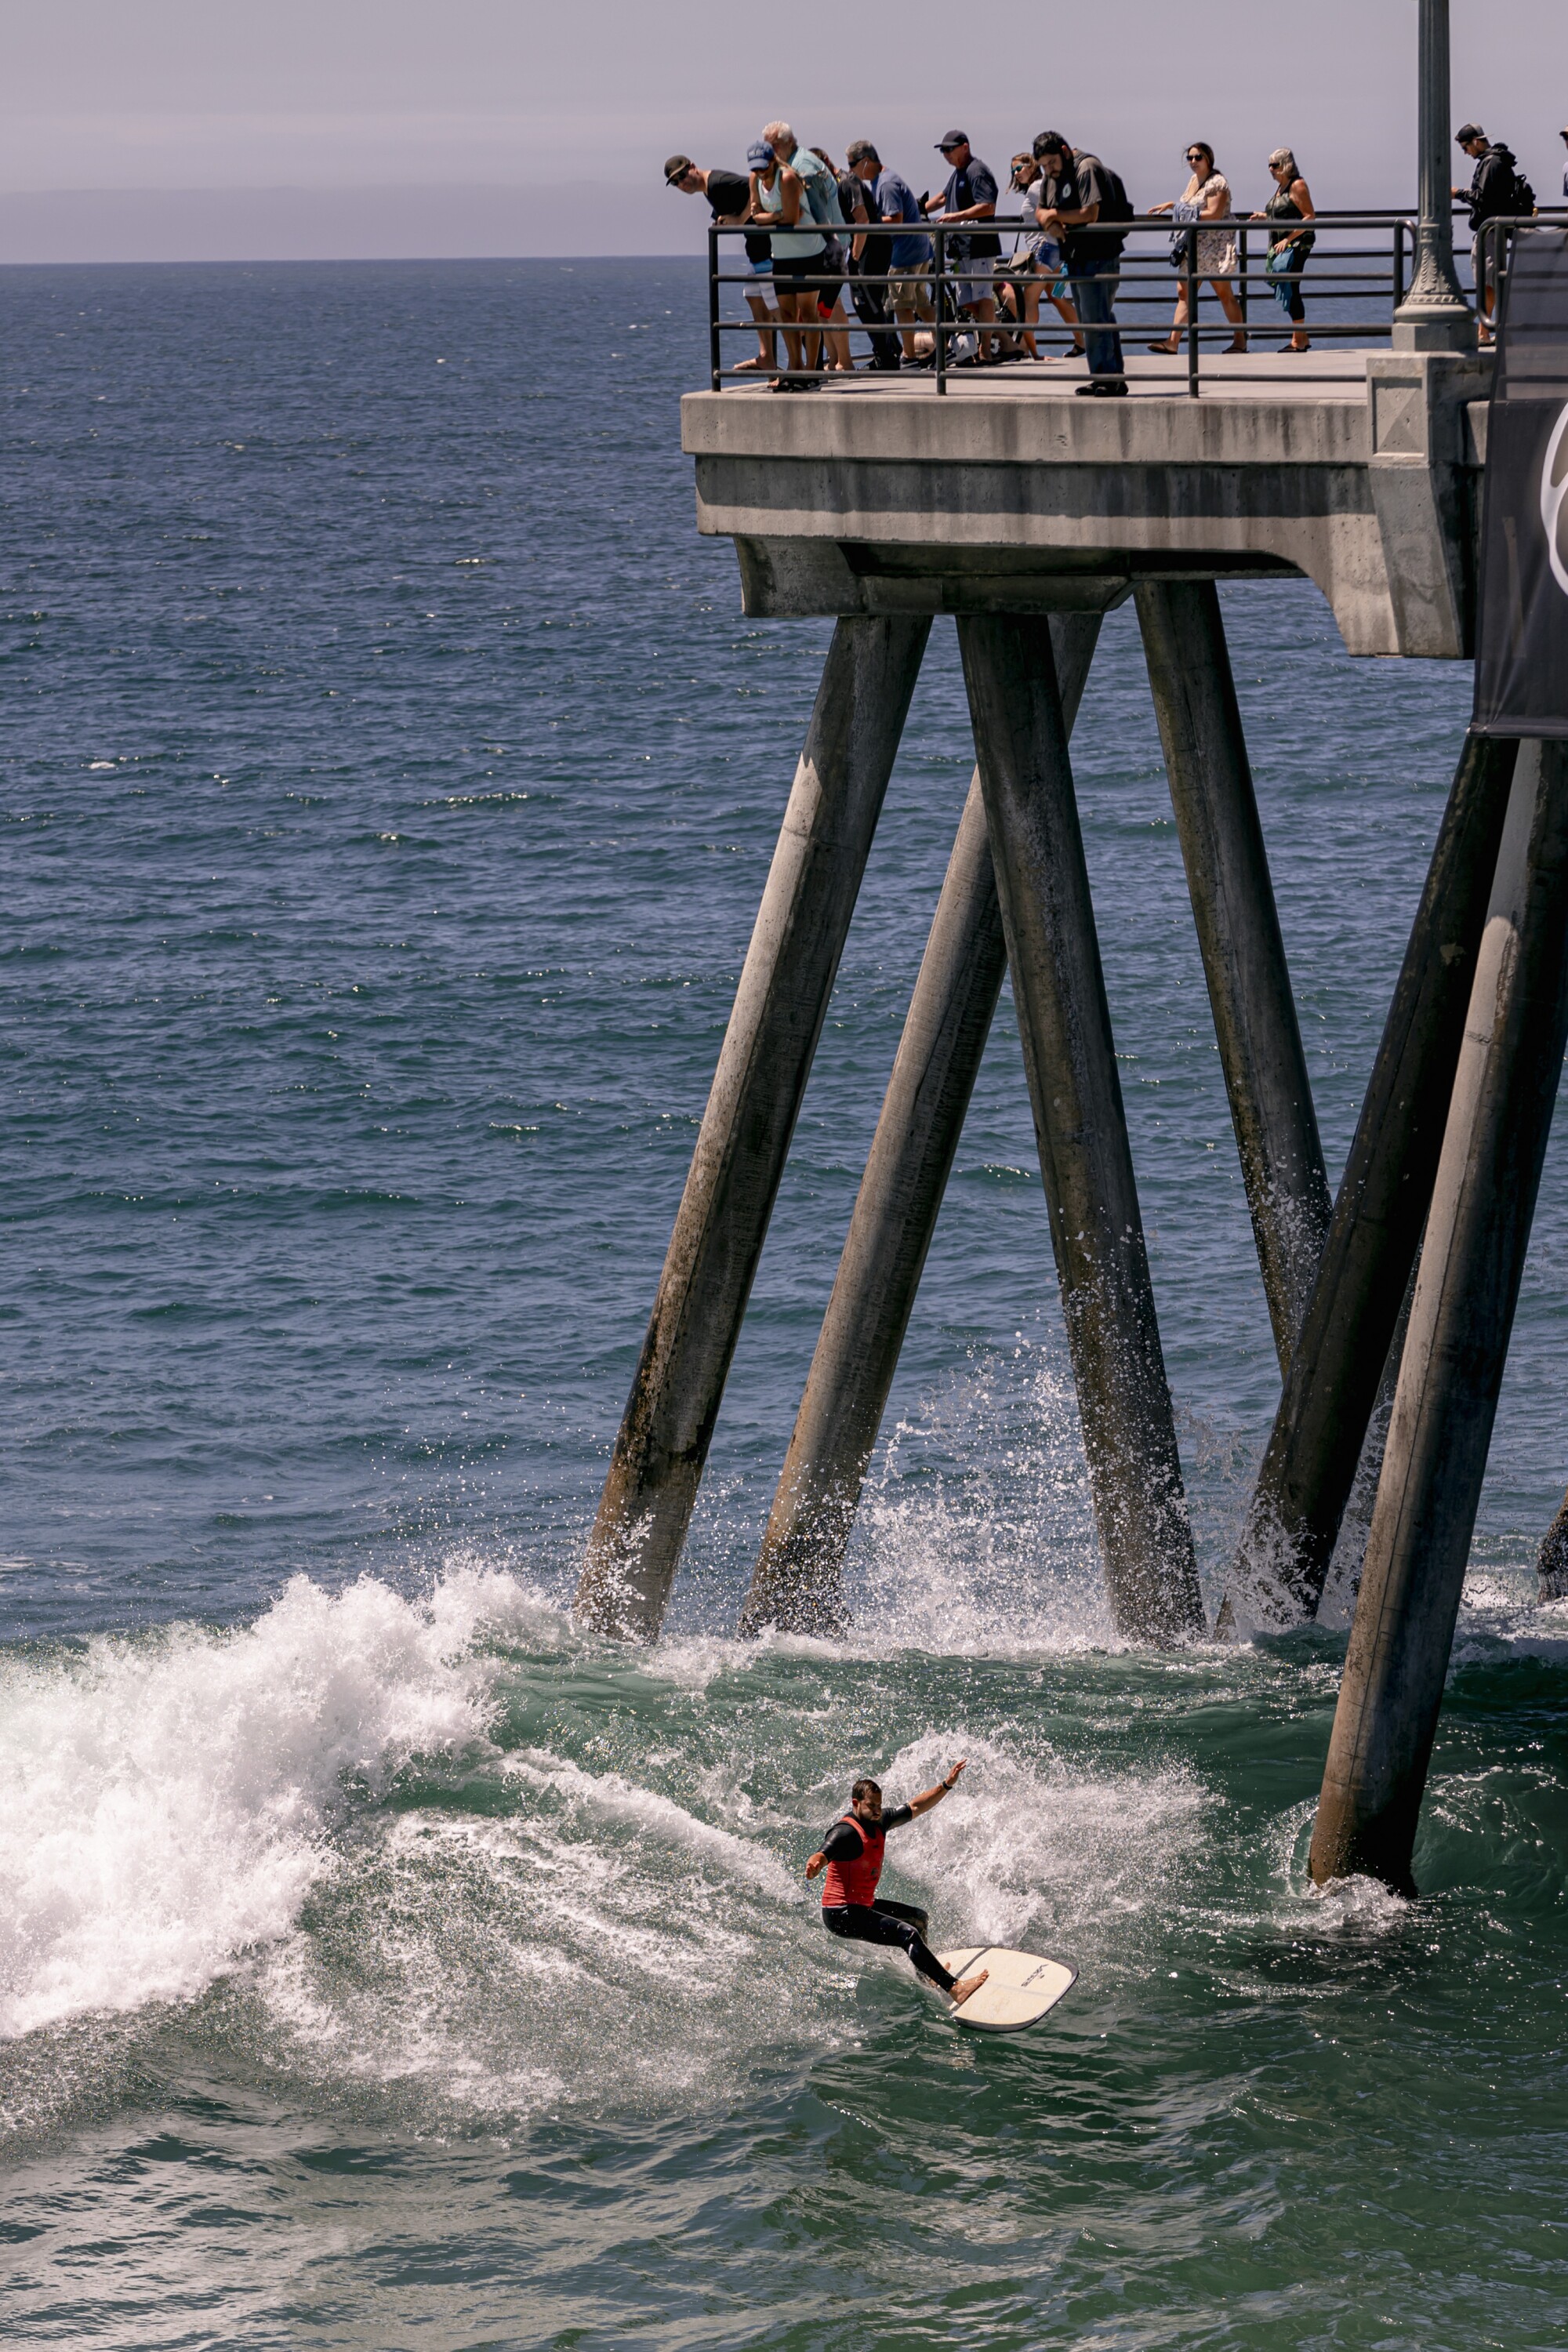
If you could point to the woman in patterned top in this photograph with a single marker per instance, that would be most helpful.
(1205, 197)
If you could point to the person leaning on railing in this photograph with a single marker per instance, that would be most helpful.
(729, 195)
(1018, 303)
(1288, 247)
(889, 198)
(1087, 207)
(870, 257)
(779, 194)
(830, 296)
(819, 188)
(1050, 255)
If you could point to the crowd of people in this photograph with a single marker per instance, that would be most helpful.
(817, 232)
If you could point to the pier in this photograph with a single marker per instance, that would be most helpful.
(1000, 499)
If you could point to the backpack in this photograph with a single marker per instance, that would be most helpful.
(1117, 207)
(1512, 198)
(821, 190)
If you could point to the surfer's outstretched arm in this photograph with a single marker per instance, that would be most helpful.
(945, 1788)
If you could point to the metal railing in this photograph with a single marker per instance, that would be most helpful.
(1355, 278)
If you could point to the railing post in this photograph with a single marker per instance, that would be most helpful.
(715, 362)
(1398, 266)
(1192, 312)
(1244, 282)
(941, 260)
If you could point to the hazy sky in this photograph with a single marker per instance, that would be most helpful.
(382, 126)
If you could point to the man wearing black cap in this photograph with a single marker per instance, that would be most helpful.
(1498, 191)
(1082, 194)
(729, 195)
(970, 195)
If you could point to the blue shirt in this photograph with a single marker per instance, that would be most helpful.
(891, 196)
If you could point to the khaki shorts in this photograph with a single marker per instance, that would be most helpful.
(910, 289)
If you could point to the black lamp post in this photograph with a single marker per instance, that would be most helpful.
(1433, 315)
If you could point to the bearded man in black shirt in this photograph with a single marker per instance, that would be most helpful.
(851, 1853)
(1085, 203)
(729, 195)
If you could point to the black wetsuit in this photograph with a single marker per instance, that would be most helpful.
(880, 1922)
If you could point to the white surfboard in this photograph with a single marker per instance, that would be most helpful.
(1020, 1988)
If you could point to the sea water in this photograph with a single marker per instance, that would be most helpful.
(389, 777)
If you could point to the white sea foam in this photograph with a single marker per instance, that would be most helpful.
(167, 1799)
(1036, 1847)
(611, 1917)
(607, 1793)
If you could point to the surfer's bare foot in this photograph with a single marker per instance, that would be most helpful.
(966, 1985)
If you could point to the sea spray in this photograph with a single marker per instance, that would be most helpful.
(169, 1798)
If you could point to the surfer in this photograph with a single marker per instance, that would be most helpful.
(851, 1853)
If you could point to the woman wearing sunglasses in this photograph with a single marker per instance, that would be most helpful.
(1205, 197)
(1289, 246)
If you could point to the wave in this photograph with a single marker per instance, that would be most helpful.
(440, 1848)
(169, 1799)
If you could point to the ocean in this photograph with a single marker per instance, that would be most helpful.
(387, 777)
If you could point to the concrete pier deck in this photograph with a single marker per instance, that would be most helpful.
(1359, 469)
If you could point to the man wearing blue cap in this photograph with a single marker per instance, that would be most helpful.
(970, 195)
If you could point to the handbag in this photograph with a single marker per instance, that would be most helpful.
(1186, 208)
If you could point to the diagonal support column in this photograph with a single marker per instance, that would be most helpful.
(1238, 935)
(780, 1005)
(796, 1583)
(1494, 1142)
(1086, 1161)
(1332, 1386)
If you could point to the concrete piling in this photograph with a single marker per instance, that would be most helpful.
(1086, 1161)
(1494, 1141)
(780, 1005)
(796, 1583)
(1374, 1232)
(1238, 935)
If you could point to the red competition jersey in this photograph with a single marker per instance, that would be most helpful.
(855, 1881)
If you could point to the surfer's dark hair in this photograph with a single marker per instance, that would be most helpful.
(865, 1788)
